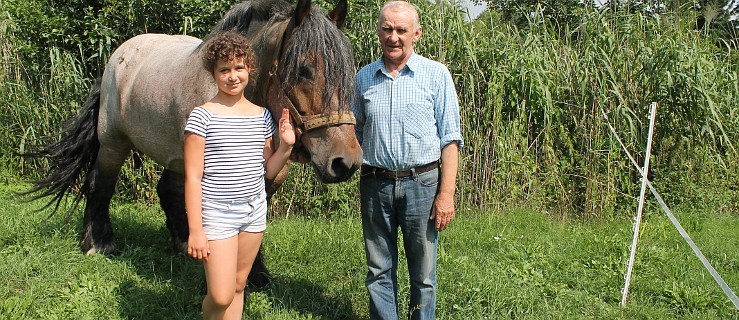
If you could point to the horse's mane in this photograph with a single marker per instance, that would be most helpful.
(240, 17)
(316, 35)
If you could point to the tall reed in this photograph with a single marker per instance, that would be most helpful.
(545, 96)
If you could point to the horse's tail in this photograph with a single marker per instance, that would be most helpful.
(72, 157)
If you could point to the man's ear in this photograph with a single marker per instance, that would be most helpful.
(417, 34)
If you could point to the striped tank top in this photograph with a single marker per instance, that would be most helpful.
(234, 152)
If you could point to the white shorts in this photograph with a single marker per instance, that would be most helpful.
(225, 219)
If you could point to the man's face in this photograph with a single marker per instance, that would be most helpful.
(397, 33)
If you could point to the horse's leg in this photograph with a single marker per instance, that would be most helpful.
(259, 276)
(171, 191)
(97, 231)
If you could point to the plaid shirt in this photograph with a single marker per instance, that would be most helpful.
(405, 122)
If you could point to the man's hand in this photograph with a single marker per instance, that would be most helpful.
(442, 211)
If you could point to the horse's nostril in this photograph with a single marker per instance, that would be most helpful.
(340, 168)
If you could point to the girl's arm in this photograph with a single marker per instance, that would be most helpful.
(197, 243)
(274, 160)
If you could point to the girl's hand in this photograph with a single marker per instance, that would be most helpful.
(197, 246)
(287, 134)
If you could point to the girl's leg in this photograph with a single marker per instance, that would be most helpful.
(249, 243)
(220, 272)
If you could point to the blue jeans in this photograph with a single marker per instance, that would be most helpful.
(387, 204)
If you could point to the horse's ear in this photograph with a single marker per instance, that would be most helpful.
(302, 9)
(338, 14)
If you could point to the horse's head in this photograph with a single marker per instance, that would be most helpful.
(313, 76)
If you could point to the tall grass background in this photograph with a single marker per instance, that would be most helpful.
(531, 100)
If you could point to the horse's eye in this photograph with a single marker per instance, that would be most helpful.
(306, 72)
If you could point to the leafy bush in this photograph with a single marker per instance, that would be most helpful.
(92, 30)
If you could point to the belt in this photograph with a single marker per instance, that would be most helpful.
(390, 174)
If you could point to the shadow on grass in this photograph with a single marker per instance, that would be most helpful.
(305, 298)
(167, 284)
(164, 284)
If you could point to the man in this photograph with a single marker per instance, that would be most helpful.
(408, 125)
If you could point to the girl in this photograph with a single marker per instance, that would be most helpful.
(228, 152)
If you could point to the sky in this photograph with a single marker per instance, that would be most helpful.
(473, 9)
(477, 10)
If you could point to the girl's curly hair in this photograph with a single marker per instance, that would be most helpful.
(228, 46)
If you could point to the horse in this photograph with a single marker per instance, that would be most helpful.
(150, 84)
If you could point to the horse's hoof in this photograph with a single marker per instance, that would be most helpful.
(89, 247)
(98, 239)
(109, 249)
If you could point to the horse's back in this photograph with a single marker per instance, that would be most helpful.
(150, 84)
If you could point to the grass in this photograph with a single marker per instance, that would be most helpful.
(514, 264)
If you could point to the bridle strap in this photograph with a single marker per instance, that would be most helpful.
(326, 120)
(307, 123)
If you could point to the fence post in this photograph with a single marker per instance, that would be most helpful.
(640, 209)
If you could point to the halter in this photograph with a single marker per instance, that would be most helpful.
(305, 123)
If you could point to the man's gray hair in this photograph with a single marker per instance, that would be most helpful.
(400, 5)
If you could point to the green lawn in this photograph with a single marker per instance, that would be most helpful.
(498, 265)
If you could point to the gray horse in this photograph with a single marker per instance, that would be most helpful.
(153, 81)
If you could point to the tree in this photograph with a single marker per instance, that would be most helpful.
(520, 12)
(716, 13)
